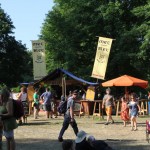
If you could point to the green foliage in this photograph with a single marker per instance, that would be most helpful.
(15, 89)
(15, 61)
(70, 31)
(2, 85)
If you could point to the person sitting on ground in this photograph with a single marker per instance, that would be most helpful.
(97, 144)
(81, 142)
(67, 145)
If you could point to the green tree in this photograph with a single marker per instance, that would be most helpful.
(142, 32)
(14, 59)
(70, 31)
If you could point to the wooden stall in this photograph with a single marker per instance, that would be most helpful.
(62, 82)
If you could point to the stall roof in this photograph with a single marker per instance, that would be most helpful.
(57, 73)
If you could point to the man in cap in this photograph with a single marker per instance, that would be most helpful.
(108, 102)
(69, 117)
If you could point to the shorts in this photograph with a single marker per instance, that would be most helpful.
(8, 134)
(108, 111)
(47, 107)
(36, 106)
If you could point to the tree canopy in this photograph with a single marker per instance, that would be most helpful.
(15, 61)
(70, 31)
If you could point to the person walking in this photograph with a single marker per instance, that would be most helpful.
(22, 96)
(108, 102)
(124, 111)
(69, 117)
(8, 120)
(134, 109)
(36, 104)
(47, 97)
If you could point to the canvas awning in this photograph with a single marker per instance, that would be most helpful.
(57, 74)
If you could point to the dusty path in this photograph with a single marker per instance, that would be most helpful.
(41, 134)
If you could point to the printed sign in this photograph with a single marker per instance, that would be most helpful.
(39, 65)
(90, 94)
(101, 59)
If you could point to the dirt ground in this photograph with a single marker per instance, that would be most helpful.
(42, 134)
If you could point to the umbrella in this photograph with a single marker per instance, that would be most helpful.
(126, 80)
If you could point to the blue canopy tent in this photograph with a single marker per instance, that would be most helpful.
(59, 72)
(57, 78)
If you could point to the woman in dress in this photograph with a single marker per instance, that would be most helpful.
(134, 109)
(124, 111)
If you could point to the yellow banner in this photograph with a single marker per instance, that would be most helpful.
(39, 65)
(101, 59)
(90, 94)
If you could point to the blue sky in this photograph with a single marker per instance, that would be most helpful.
(27, 17)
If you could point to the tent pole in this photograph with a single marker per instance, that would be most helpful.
(126, 89)
(62, 87)
(65, 87)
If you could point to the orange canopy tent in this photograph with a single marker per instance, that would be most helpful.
(126, 80)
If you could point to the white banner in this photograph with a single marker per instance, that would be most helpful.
(39, 65)
(101, 59)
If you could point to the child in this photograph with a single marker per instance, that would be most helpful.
(124, 111)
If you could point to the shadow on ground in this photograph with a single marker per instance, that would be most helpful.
(127, 145)
(45, 144)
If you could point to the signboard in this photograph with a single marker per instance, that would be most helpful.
(101, 59)
(39, 65)
(90, 94)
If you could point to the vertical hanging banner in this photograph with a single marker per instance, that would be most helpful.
(101, 59)
(39, 65)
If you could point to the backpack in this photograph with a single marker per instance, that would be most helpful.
(18, 109)
(62, 108)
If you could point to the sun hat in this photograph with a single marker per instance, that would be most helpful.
(80, 136)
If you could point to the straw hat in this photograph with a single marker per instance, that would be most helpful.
(80, 136)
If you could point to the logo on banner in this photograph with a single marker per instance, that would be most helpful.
(101, 58)
(39, 58)
(39, 65)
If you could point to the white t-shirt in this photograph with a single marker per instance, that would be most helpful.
(23, 97)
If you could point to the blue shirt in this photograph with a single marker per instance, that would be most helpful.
(70, 103)
(47, 97)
